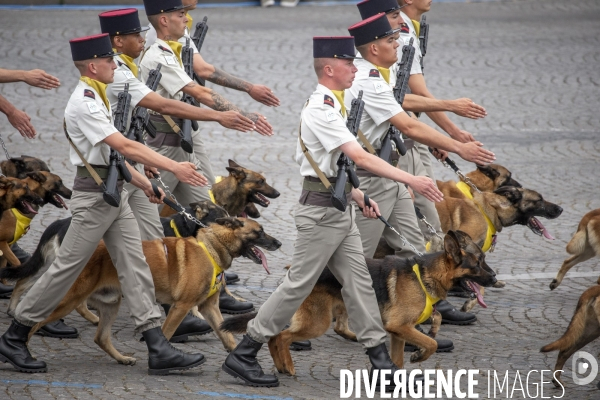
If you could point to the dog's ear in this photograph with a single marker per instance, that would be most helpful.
(488, 171)
(200, 209)
(229, 222)
(237, 172)
(37, 176)
(463, 238)
(513, 194)
(452, 247)
(233, 164)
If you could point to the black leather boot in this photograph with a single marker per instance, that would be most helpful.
(231, 278)
(5, 291)
(13, 349)
(190, 326)
(229, 305)
(58, 329)
(450, 315)
(444, 345)
(380, 359)
(164, 358)
(242, 363)
(301, 345)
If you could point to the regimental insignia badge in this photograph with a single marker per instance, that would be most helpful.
(164, 49)
(404, 28)
(329, 101)
(89, 93)
(374, 73)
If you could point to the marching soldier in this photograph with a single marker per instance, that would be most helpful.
(89, 126)
(326, 235)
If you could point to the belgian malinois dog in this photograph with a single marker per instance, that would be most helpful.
(399, 294)
(238, 192)
(46, 186)
(18, 167)
(486, 178)
(182, 272)
(583, 328)
(584, 245)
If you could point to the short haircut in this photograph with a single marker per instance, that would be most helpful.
(319, 64)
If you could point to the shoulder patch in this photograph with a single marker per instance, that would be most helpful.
(89, 93)
(329, 101)
(165, 49)
(374, 73)
(404, 28)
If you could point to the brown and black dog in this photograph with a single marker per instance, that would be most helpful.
(486, 178)
(399, 294)
(182, 272)
(584, 245)
(583, 328)
(239, 192)
(14, 193)
(18, 167)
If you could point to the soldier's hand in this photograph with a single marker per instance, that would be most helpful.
(153, 197)
(264, 95)
(235, 120)
(150, 172)
(463, 136)
(39, 78)
(21, 121)
(468, 109)
(426, 187)
(260, 124)
(473, 152)
(186, 173)
(440, 154)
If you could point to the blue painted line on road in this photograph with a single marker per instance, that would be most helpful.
(242, 396)
(102, 7)
(53, 384)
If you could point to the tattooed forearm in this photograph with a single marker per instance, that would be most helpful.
(251, 116)
(220, 103)
(223, 78)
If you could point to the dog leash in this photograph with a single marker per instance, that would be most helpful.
(405, 242)
(422, 218)
(174, 204)
(448, 163)
(4, 147)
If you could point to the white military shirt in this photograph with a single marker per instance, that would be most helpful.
(323, 131)
(151, 39)
(405, 39)
(89, 122)
(173, 78)
(378, 95)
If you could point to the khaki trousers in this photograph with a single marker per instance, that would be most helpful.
(94, 220)
(395, 205)
(326, 237)
(417, 161)
(145, 213)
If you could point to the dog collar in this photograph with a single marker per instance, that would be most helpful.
(217, 278)
(174, 227)
(210, 192)
(490, 235)
(429, 299)
(22, 227)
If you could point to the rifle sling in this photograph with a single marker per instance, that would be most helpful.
(172, 124)
(366, 142)
(311, 160)
(90, 169)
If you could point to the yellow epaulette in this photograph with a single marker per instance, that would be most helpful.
(491, 231)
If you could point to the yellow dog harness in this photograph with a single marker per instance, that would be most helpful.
(22, 227)
(429, 299)
(490, 236)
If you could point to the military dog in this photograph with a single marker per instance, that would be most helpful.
(583, 328)
(16, 193)
(183, 276)
(584, 245)
(486, 178)
(18, 167)
(400, 296)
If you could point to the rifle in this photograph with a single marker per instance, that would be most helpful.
(198, 39)
(140, 120)
(187, 58)
(345, 168)
(121, 115)
(402, 76)
(423, 38)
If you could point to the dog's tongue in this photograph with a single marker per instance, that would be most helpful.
(263, 258)
(243, 214)
(545, 232)
(60, 200)
(30, 209)
(475, 288)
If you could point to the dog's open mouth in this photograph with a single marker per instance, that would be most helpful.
(256, 255)
(538, 228)
(59, 201)
(27, 207)
(260, 199)
(474, 288)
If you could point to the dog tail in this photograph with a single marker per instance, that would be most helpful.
(577, 325)
(44, 254)
(238, 323)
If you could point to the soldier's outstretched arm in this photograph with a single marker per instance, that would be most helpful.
(17, 118)
(35, 77)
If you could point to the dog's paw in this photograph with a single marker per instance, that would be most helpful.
(416, 356)
(127, 361)
(554, 284)
(468, 306)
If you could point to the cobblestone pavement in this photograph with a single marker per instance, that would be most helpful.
(532, 64)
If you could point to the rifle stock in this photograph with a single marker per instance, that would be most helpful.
(140, 121)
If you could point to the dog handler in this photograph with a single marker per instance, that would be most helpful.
(89, 124)
(326, 236)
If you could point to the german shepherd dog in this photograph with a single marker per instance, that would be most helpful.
(486, 178)
(18, 167)
(584, 245)
(45, 185)
(182, 272)
(14, 193)
(238, 192)
(583, 328)
(399, 295)
(52, 238)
